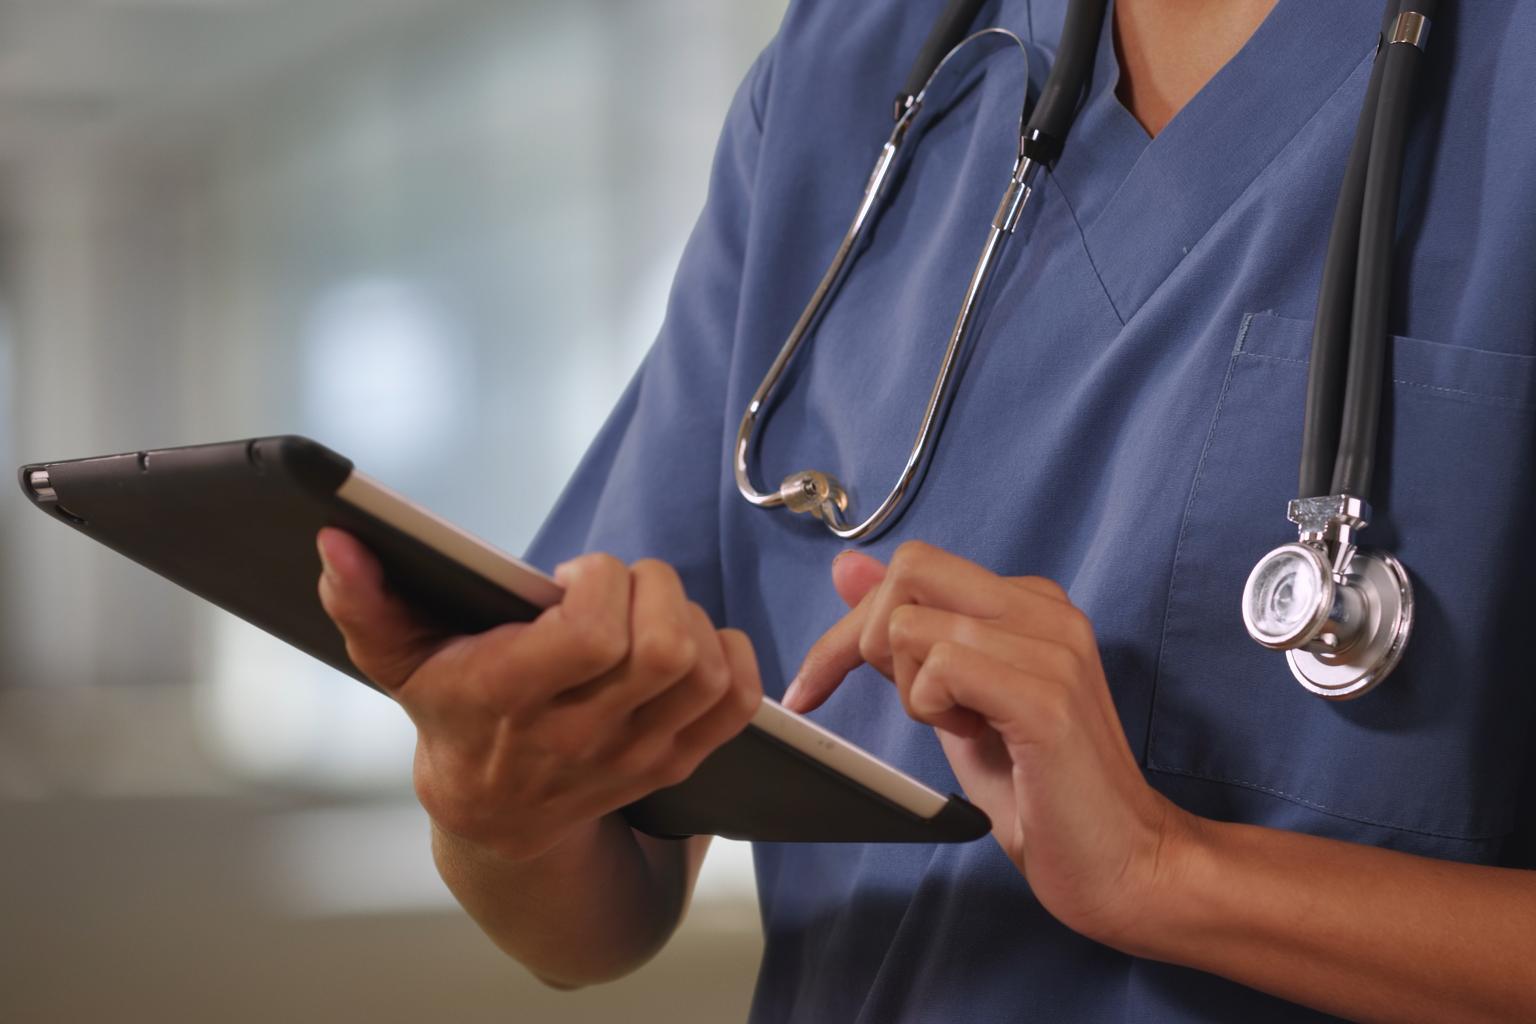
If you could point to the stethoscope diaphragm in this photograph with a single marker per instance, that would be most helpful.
(1341, 614)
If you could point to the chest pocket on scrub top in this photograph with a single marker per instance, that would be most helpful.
(1437, 752)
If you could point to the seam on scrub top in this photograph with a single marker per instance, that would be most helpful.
(1511, 403)
(763, 73)
(1479, 397)
(1082, 237)
(1476, 837)
(1194, 493)
(1178, 549)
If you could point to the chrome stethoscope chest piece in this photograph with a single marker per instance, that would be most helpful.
(1290, 597)
(1341, 614)
(1378, 647)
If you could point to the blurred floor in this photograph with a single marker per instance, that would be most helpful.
(136, 910)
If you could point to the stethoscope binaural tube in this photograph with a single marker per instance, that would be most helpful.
(1343, 614)
(1041, 137)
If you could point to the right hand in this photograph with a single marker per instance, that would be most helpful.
(529, 733)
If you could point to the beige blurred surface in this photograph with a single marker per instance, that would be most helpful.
(214, 902)
(155, 911)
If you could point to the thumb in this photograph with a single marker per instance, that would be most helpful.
(384, 640)
(855, 574)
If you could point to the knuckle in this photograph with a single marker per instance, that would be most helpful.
(1058, 662)
(594, 571)
(747, 691)
(671, 770)
(742, 675)
(941, 658)
(713, 686)
(738, 639)
(597, 644)
(327, 595)
(1053, 709)
(340, 611)
(908, 556)
(656, 569)
(368, 663)
(570, 741)
(665, 651)
(745, 700)
(1080, 628)
(387, 669)
(967, 632)
(1050, 587)
(871, 649)
(600, 564)
(902, 626)
(696, 613)
(640, 758)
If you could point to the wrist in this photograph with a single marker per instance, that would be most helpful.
(1169, 887)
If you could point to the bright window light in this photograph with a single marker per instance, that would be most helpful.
(384, 376)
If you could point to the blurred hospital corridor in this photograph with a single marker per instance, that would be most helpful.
(394, 226)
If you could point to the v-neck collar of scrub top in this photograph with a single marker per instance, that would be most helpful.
(1143, 203)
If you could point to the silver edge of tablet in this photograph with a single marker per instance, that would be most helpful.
(468, 550)
(859, 765)
(524, 580)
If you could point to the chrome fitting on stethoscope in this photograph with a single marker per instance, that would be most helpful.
(1341, 614)
(1020, 185)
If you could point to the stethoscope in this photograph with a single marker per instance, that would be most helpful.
(1340, 612)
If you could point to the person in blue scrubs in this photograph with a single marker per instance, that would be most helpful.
(1182, 832)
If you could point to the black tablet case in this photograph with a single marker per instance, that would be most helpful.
(235, 524)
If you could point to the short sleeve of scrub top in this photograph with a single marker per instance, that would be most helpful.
(1127, 423)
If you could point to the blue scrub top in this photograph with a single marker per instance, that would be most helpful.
(1128, 424)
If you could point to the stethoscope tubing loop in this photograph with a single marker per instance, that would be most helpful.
(1021, 180)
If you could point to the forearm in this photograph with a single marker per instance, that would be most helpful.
(1357, 931)
(594, 908)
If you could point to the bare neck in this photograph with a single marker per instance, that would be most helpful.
(1169, 49)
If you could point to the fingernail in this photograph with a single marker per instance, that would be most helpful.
(791, 692)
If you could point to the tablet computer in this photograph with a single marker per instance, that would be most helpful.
(235, 523)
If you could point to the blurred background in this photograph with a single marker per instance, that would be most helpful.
(434, 234)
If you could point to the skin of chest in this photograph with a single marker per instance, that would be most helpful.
(1169, 49)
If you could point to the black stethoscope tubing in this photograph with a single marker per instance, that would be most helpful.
(1045, 132)
(1348, 370)
(1341, 613)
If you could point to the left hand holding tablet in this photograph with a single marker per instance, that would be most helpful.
(1008, 672)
